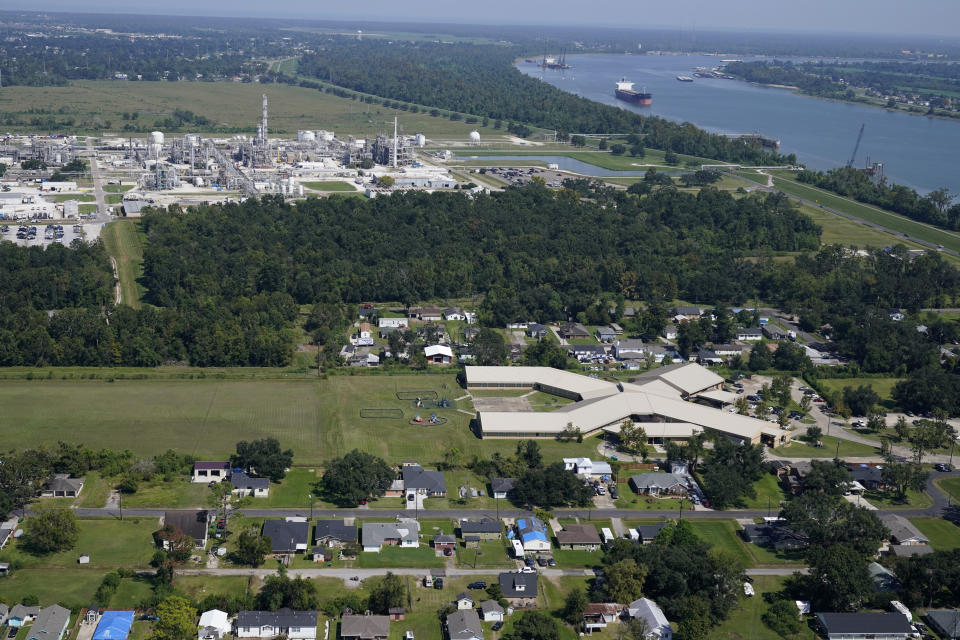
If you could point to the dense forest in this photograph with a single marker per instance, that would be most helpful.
(481, 80)
(225, 282)
(934, 208)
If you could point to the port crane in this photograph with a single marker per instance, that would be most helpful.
(856, 147)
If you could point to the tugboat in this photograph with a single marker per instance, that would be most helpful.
(626, 92)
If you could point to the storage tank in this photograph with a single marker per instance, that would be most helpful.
(422, 139)
(326, 136)
(191, 139)
(306, 136)
(156, 137)
(474, 137)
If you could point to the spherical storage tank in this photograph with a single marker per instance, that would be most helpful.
(306, 136)
(156, 137)
(474, 136)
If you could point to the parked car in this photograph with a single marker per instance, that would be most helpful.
(529, 561)
(551, 562)
(479, 584)
(542, 561)
(438, 583)
(497, 626)
(942, 466)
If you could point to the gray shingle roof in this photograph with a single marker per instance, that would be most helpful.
(464, 624)
(284, 536)
(50, 623)
(416, 477)
(335, 530)
(192, 522)
(856, 623)
(502, 485)
(518, 585)
(282, 618)
(373, 534)
(945, 621)
(480, 526)
(365, 627)
(241, 480)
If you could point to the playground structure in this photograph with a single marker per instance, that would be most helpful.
(433, 421)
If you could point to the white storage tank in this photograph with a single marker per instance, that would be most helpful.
(306, 136)
(191, 139)
(474, 137)
(422, 139)
(326, 136)
(156, 137)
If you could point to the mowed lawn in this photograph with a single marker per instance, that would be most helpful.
(882, 386)
(318, 419)
(943, 534)
(745, 621)
(110, 543)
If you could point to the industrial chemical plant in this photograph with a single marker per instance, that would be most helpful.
(126, 174)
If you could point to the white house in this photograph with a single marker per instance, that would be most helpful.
(391, 322)
(491, 611)
(657, 622)
(464, 601)
(403, 533)
(205, 471)
(244, 485)
(670, 332)
(213, 625)
(295, 625)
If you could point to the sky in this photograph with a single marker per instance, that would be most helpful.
(916, 17)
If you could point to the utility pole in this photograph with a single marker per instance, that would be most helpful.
(838, 449)
(311, 506)
(681, 508)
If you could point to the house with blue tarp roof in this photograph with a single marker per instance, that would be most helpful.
(533, 534)
(114, 625)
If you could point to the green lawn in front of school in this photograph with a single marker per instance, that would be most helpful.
(848, 449)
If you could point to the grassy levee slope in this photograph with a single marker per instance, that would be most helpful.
(122, 241)
(869, 213)
(318, 419)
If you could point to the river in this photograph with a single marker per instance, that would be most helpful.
(917, 151)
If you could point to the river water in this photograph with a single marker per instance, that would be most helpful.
(917, 151)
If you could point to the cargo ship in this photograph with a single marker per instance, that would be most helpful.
(625, 92)
(684, 78)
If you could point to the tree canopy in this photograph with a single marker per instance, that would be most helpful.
(355, 477)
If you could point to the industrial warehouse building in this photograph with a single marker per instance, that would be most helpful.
(661, 400)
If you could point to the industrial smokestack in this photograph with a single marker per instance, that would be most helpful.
(263, 122)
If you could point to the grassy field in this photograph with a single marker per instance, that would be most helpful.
(69, 586)
(769, 494)
(723, 535)
(840, 230)
(951, 486)
(848, 449)
(889, 500)
(117, 188)
(110, 543)
(318, 419)
(95, 491)
(869, 213)
(123, 240)
(228, 104)
(943, 534)
(882, 386)
(745, 621)
(329, 185)
(80, 197)
(604, 159)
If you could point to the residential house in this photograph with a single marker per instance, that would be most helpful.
(707, 356)
(51, 623)
(670, 332)
(469, 333)
(598, 615)
(583, 537)
(454, 313)
(464, 625)
(902, 531)
(869, 476)
(946, 622)
(287, 536)
(606, 334)
(385, 332)
(466, 354)
(365, 312)
(689, 312)
(587, 352)
(396, 613)
(405, 532)
(4, 612)
(464, 601)
(244, 485)
(425, 482)
(774, 333)
(365, 627)
(443, 541)
(491, 611)
(908, 551)
(659, 627)
(395, 490)
(210, 471)
(213, 625)
(617, 329)
(727, 350)
(62, 486)
(629, 349)
(533, 535)
(334, 533)
(658, 483)
(364, 332)
(20, 615)
(392, 322)
(6, 533)
(587, 468)
(536, 330)
(499, 487)
(430, 314)
(192, 522)
(865, 626)
(438, 354)
(519, 589)
(485, 529)
(513, 326)
(777, 535)
(573, 331)
(648, 532)
(295, 625)
(884, 581)
(750, 334)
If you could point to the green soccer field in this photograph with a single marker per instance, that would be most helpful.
(318, 419)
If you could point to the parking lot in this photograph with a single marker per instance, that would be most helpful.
(41, 237)
(523, 175)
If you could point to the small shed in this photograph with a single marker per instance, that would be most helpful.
(83, 559)
(397, 613)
